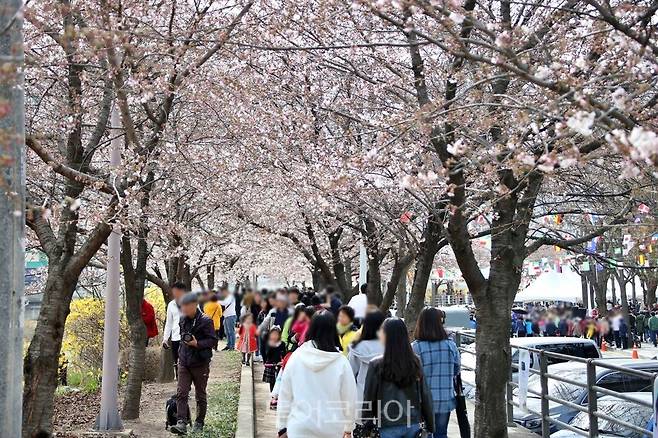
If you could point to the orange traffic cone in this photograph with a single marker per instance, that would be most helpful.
(635, 354)
(604, 347)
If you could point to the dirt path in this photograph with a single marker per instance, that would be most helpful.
(151, 423)
(79, 409)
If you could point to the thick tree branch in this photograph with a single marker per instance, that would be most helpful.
(65, 171)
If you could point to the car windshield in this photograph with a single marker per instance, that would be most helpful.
(561, 390)
(623, 410)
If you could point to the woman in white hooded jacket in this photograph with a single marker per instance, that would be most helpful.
(317, 394)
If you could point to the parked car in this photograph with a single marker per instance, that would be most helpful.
(577, 372)
(633, 413)
(457, 317)
(578, 347)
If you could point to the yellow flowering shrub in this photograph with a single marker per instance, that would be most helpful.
(83, 334)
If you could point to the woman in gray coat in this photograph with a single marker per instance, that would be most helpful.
(361, 352)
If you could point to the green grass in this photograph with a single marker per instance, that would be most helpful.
(223, 398)
(85, 381)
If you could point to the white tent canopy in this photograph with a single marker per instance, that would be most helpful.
(553, 286)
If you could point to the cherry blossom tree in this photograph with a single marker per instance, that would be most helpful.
(277, 137)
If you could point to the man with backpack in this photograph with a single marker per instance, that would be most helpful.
(197, 341)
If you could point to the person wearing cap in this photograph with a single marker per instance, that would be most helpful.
(195, 352)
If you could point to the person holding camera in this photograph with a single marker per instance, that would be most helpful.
(197, 340)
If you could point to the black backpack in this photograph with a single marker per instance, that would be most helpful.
(171, 411)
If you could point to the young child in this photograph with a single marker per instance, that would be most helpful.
(275, 390)
(273, 356)
(247, 342)
(299, 328)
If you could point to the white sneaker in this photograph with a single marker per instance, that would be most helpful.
(258, 358)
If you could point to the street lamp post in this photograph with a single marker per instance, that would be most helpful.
(108, 418)
(12, 215)
(363, 265)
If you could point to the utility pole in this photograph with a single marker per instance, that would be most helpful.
(109, 418)
(12, 216)
(363, 265)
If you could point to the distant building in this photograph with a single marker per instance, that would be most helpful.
(36, 265)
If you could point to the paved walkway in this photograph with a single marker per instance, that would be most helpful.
(513, 432)
(266, 418)
(648, 351)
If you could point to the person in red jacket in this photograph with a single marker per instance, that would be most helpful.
(148, 316)
(247, 337)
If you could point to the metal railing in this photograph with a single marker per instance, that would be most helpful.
(593, 390)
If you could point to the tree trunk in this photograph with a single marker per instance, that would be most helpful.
(599, 281)
(133, 392)
(202, 284)
(319, 282)
(337, 263)
(492, 362)
(210, 277)
(166, 373)
(584, 290)
(614, 293)
(401, 294)
(134, 279)
(42, 359)
(651, 284)
(624, 305)
(374, 280)
(348, 272)
(398, 275)
(429, 246)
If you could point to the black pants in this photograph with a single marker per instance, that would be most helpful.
(175, 345)
(624, 341)
(186, 377)
(221, 334)
(617, 338)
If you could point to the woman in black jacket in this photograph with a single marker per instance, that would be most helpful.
(396, 395)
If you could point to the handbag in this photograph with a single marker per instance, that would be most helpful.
(366, 430)
(422, 433)
(462, 415)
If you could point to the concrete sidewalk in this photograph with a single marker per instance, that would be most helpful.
(647, 351)
(266, 418)
(513, 432)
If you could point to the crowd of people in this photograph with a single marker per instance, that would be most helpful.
(333, 369)
(611, 329)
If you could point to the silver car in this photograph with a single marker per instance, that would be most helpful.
(577, 372)
(629, 412)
